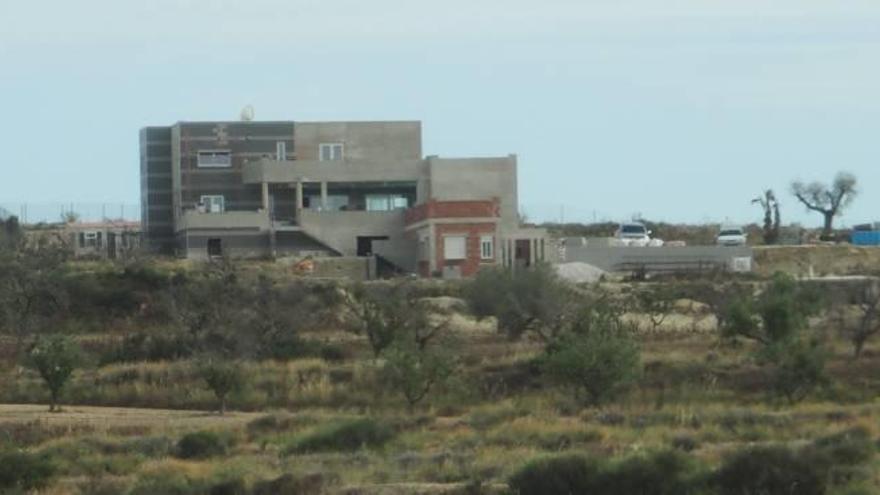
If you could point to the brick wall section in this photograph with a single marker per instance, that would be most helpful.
(471, 264)
(454, 209)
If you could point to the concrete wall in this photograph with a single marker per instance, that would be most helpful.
(340, 229)
(477, 178)
(378, 141)
(256, 220)
(655, 258)
(335, 171)
(236, 244)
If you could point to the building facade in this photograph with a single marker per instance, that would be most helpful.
(266, 189)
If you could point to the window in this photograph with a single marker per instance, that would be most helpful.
(88, 239)
(212, 204)
(454, 247)
(386, 202)
(281, 150)
(487, 247)
(215, 159)
(215, 247)
(330, 151)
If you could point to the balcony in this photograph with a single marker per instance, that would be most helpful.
(274, 171)
(192, 219)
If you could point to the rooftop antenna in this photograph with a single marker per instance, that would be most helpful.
(247, 113)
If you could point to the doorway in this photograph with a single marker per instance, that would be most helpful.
(365, 244)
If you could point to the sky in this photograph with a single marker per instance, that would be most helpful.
(674, 110)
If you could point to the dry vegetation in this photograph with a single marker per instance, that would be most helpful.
(325, 419)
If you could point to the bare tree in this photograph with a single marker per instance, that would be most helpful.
(772, 219)
(829, 201)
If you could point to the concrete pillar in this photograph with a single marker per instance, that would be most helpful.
(324, 204)
(432, 250)
(265, 195)
(298, 205)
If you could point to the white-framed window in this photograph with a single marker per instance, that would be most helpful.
(213, 203)
(89, 239)
(330, 151)
(487, 247)
(281, 150)
(214, 158)
(454, 247)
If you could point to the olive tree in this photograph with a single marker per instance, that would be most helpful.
(597, 357)
(54, 357)
(414, 371)
(827, 200)
(223, 377)
(534, 300)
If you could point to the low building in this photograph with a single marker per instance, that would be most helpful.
(267, 189)
(110, 239)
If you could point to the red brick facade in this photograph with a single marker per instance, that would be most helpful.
(453, 209)
(473, 232)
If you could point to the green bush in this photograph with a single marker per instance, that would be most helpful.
(564, 474)
(24, 471)
(231, 487)
(55, 358)
(598, 360)
(346, 436)
(289, 485)
(660, 473)
(770, 470)
(201, 445)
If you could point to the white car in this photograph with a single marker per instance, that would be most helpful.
(635, 234)
(731, 236)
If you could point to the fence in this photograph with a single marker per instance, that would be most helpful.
(52, 212)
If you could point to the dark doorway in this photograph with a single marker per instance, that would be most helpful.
(215, 247)
(111, 245)
(523, 254)
(365, 244)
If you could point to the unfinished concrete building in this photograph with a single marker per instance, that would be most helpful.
(270, 189)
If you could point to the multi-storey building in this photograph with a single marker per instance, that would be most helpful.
(252, 189)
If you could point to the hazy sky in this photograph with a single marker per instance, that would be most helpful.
(678, 110)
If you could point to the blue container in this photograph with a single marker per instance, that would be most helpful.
(866, 238)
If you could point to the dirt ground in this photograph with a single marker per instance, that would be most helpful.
(103, 418)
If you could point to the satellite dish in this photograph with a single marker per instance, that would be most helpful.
(247, 113)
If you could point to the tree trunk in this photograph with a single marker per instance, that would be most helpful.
(828, 227)
(53, 401)
(222, 405)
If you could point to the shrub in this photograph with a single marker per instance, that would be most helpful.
(54, 358)
(534, 300)
(345, 436)
(289, 485)
(685, 442)
(201, 445)
(766, 470)
(222, 378)
(799, 369)
(414, 371)
(597, 363)
(661, 473)
(569, 473)
(850, 446)
(24, 471)
(231, 487)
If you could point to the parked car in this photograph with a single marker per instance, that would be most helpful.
(635, 234)
(731, 236)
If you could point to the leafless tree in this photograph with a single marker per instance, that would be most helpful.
(772, 219)
(827, 200)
